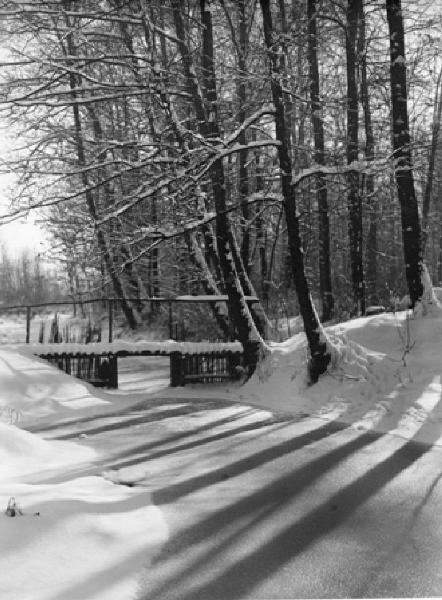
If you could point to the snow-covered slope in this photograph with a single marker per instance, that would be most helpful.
(390, 364)
(77, 536)
(387, 378)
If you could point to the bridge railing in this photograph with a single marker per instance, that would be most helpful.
(197, 366)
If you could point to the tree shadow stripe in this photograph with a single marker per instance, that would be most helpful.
(145, 418)
(147, 405)
(260, 564)
(175, 491)
(249, 427)
(175, 437)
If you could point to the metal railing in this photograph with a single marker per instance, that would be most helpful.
(111, 304)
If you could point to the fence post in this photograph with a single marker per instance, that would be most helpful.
(111, 321)
(233, 362)
(113, 368)
(28, 324)
(176, 374)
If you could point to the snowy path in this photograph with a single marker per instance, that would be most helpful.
(261, 506)
(328, 512)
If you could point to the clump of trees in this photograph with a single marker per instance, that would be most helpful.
(26, 279)
(277, 148)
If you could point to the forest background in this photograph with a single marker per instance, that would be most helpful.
(269, 149)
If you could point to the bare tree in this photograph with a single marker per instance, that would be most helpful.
(411, 230)
(208, 125)
(325, 284)
(368, 180)
(354, 197)
(320, 356)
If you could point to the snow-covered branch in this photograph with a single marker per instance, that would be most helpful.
(165, 233)
(267, 109)
(362, 166)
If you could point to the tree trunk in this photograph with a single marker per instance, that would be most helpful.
(373, 216)
(154, 261)
(210, 94)
(208, 283)
(437, 114)
(256, 309)
(411, 231)
(355, 232)
(121, 254)
(211, 255)
(208, 127)
(261, 237)
(320, 356)
(153, 269)
(325, 284)
(129, 312)
(243, 171)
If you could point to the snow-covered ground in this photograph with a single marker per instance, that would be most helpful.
(75, 530)
(388, 362)
(82, 535)
(13, 327)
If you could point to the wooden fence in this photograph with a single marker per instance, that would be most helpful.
(101, 370)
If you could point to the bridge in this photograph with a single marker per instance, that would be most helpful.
(97, 363)
(190, 362)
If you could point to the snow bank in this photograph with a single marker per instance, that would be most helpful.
(389, 371)
(84, 538)
(22, 453)
(75, 536)
(32, 389)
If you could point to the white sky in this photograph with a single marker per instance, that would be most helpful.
(23, 234)
(19, 235)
